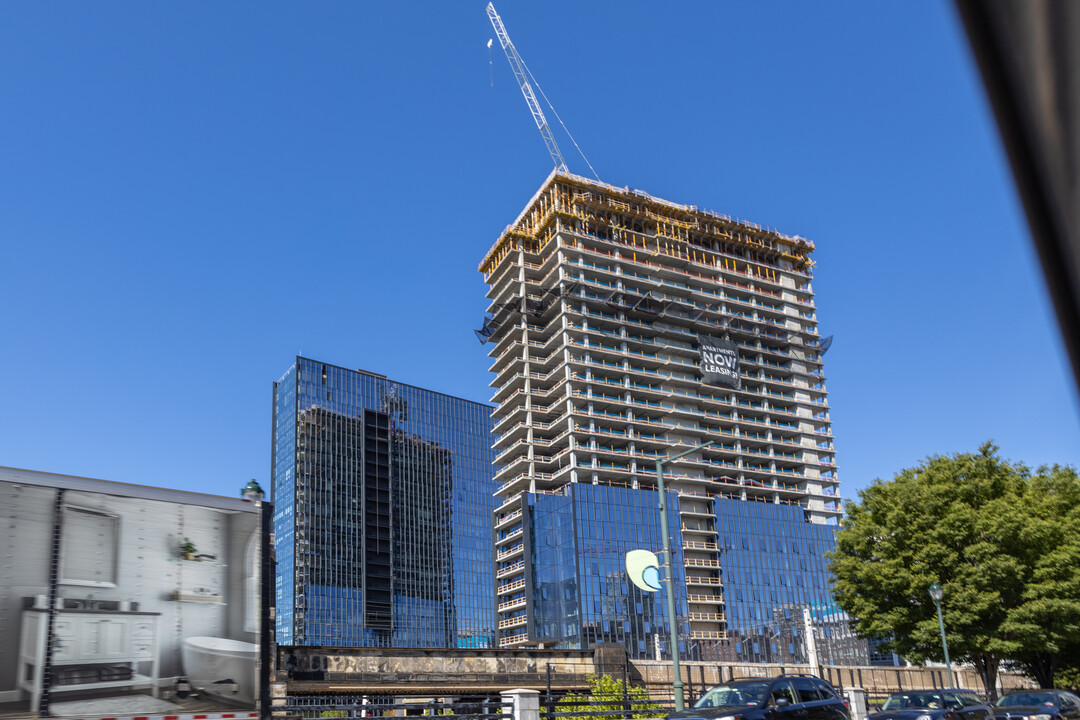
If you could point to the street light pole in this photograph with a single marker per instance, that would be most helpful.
(665, 538)
(936, 593)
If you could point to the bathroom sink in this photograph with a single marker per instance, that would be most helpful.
(88, 604)
(104, 605)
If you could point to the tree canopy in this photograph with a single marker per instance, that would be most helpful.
(1004, 544)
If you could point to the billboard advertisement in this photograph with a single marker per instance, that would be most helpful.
(126, 600)
(719, 361)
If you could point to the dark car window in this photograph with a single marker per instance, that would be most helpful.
(827, 691)
(971, 699)
(933, 701)
(783, 689)
(1072, 698)
(953, 700)
(734, 694)
(897, 702)
(903, 701)
(807, 690)
(1028, 698)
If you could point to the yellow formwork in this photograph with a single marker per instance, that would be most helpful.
(569, 198)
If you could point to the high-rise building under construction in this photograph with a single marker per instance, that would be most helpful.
(625, 329)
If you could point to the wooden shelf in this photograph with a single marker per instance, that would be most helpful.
(135, 679)
(197, 598)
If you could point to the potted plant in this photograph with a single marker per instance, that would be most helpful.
(187, 549)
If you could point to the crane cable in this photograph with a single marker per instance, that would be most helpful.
(556, 112)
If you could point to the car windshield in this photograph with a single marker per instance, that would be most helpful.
(969, 699)
(734, 694)
(902, 701)
(1028, 698)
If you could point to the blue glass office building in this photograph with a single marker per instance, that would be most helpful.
(578, 543)
(382, 512)
(777, 588)
(774, 584)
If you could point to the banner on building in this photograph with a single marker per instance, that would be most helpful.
(719, 361)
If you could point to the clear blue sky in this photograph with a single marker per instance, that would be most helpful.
(193, 193)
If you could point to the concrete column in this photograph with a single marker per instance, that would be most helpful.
(856, 698)
(526, 703)
(278, 698)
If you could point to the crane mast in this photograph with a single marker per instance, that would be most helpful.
(526, 89)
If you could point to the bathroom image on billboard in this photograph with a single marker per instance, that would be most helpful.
(147, 604)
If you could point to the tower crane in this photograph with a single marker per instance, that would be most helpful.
(526, 88)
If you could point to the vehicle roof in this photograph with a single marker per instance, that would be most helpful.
(748, 680)
(933, 690)
(772, 677)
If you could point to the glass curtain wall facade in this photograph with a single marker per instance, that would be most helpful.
(776, 583)
(383, 501)
(581, 595)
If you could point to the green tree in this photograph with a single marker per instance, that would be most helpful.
(1002, 544)
(1042, 530)
(1068, 678)
(605, 701)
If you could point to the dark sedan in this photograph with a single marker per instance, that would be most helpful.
(954, 704)
(784, 697)
(1038, 705)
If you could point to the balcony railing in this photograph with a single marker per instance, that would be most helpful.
(705, 617)
(513, 640)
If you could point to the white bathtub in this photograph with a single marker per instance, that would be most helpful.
(209, 660)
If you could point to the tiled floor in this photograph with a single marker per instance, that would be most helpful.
(114, 706)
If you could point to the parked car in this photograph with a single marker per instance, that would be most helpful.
(1038, 705)
(950, 704)
(801, 697)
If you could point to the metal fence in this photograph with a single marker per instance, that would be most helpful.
(617, 706)
(553, 706)
(464, 707)
(563, 696)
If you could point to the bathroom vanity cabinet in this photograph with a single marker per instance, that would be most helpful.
(96, 639)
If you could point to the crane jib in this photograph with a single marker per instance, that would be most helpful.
(520, 75)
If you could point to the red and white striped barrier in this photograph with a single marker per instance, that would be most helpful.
(193, 716)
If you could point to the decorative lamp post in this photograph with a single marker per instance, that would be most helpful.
(936, 593)
(677, 685)
(252, 492)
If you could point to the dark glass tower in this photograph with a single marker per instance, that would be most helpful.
(383, 504)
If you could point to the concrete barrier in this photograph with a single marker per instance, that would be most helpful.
(857, 704)
(526, 703)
